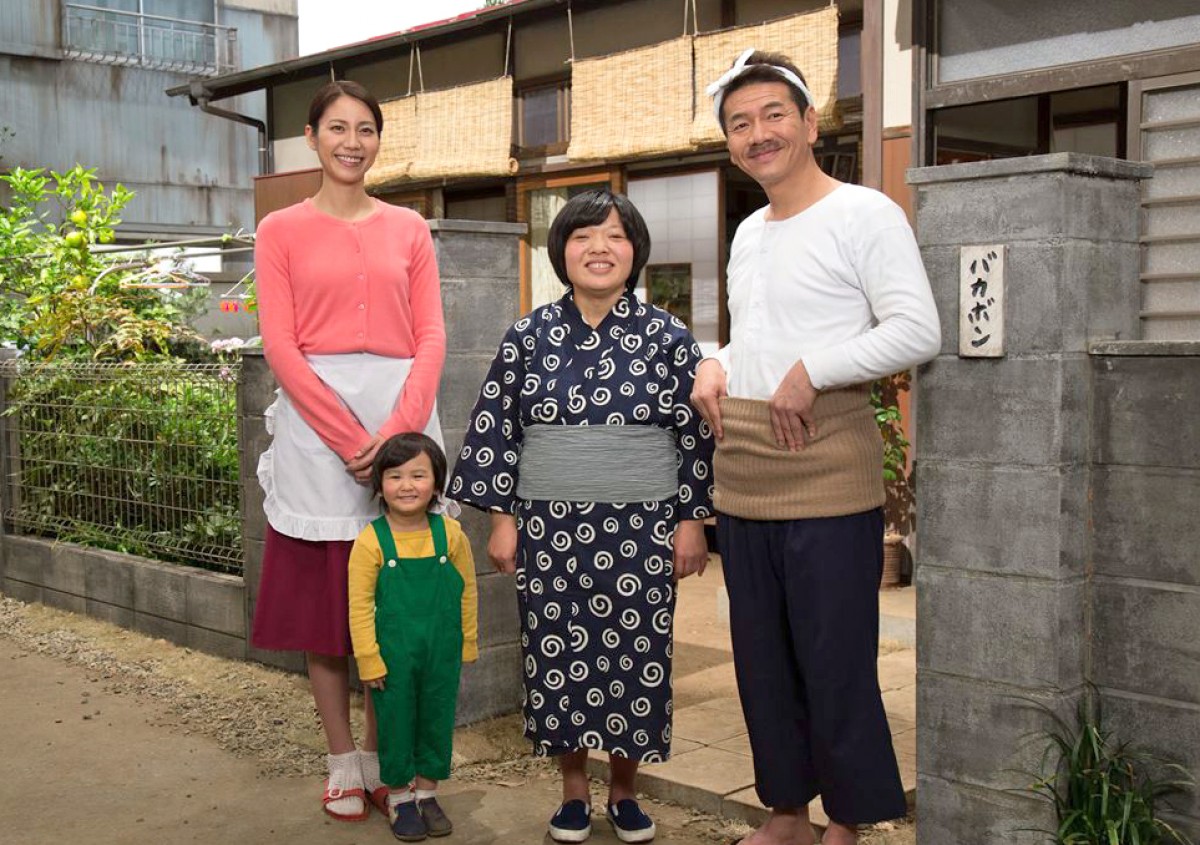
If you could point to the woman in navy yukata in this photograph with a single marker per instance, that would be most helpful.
(597, 473)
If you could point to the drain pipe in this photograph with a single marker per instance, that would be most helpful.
(201, 97)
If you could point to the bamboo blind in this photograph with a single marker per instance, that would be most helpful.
(810, 40)
(638, 102)
(397, 145)
(463, 131)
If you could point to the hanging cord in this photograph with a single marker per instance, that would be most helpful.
(571, 30)
(508, 45)
(692, 52)
(415, 55)
(691, 4)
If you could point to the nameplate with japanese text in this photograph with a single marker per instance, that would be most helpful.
(981, 302)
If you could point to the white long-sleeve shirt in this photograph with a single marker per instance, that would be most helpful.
(839, 286)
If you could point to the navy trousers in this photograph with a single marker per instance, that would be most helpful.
(804, 614)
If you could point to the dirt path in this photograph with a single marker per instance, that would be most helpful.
(113, 737)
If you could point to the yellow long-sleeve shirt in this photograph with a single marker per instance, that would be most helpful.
(366, 558)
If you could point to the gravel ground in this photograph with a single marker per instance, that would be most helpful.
(266, 715)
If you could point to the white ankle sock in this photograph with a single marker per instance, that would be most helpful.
(344, 773)
(422, 794)
(395, 798)
(369, 760)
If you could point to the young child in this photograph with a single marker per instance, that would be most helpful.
(412, 622)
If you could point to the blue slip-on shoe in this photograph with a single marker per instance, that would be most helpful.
(572, 822)
(407, 824)
(629, 822)
(436, 823)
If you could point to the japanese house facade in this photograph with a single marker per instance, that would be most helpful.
(501, 114)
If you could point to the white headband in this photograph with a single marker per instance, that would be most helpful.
(717, 89)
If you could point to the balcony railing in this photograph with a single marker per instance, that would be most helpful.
(114, 37)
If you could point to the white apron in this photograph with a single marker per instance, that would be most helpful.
(309, 494)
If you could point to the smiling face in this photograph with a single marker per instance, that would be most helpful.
(408, 489)
(599, 259)
(769, 139)
(346, 140)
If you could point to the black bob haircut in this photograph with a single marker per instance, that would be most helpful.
(399, 449)
(591, 208)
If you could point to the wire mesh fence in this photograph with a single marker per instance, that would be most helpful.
(138, 458)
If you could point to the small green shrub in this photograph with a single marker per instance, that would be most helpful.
(1104, 791)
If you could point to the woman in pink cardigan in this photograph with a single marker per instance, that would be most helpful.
(351, 318)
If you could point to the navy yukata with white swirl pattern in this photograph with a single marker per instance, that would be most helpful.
(594, 579)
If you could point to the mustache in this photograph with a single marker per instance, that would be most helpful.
(764, 147)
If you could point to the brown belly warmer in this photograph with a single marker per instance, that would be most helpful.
(838, 472)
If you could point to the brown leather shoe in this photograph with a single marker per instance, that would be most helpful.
(436, 823)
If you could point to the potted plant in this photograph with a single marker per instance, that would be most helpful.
(899, 507)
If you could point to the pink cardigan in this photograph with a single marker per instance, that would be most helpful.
(328, 286)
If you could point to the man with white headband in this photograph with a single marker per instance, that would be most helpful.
(826, 294)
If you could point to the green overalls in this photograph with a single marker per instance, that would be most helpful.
(418, 623)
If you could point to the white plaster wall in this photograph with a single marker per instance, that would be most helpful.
(293, 154)
(681, 213)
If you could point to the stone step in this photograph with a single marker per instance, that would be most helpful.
(711, 769)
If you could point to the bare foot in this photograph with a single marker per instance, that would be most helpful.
(840, 834)
(783, 828)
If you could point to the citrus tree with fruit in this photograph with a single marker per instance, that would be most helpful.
(59, 297)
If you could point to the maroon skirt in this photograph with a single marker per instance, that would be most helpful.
(302, 602)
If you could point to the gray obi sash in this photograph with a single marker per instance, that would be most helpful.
(597, 463)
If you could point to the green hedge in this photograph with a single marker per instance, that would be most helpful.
(140, 458)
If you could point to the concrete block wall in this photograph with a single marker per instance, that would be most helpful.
(478, 262)
(1004, 450)
(193, 607)
(256, 392)
(1146, 548)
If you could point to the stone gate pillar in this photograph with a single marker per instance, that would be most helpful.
(1003, 476)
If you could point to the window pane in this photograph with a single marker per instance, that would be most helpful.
(990, 130)
(978, 38)
(849, 80)
(669, 286)
(184, 10)
(539, 125)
